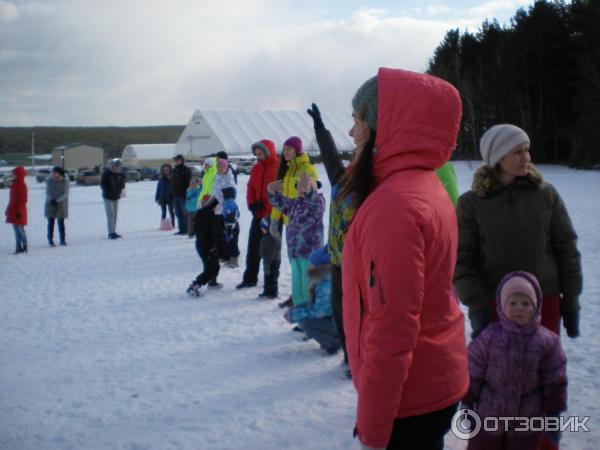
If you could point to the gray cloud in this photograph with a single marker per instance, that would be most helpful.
(68, 62)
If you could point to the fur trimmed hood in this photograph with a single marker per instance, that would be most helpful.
(486, 181)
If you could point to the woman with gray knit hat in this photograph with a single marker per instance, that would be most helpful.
(404, 329)
(511, 220)
(57, 204)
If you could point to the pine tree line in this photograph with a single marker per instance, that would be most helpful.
(542, 73)
(112, 139)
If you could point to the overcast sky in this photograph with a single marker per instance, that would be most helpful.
(143, 62)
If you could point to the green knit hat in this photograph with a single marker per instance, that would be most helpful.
(365, 102)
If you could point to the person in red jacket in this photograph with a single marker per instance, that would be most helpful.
(16, 211)
(405, 332)
(263, 172)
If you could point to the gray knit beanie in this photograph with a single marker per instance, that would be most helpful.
(365, 102)
(499, 141)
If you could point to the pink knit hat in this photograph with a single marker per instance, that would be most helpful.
(518, 283)
(295, 142)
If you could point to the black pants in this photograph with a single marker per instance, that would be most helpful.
(222, 247)
(336, 305)
(232, 235)
(424, 432)
(253, 253)
(61, 228)
(271, 286)
(164, 205)
(206, 246)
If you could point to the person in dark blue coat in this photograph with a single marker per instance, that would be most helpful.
(164, 195)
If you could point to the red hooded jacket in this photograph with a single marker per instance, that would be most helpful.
(262, 173)
(405, 332)
(16, 211)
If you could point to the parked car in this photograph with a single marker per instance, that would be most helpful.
(149, 173)
(6, 179)
(72, 174)
(131, 174)
(88, 178)
(244, 165)
(42, 175)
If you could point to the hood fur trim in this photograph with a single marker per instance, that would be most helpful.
(486, 180)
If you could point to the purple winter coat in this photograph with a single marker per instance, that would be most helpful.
(517, 370)
(304, 231)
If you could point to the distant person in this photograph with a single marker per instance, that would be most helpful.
(304, 231)
(112, 185)
(512, 219)
(57, 204)
(16, 211)
(164, 195)
(180, 180)
(223, 155)
(518, 368)
(262, 173)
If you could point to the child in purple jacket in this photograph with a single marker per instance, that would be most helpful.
(518, 368)
(304, 231)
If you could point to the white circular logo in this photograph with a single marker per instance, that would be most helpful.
(466, 424)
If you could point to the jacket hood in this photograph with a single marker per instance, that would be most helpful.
(418, 121)
(508, 324)
(486, 181)
(19, 173)
(268, 147)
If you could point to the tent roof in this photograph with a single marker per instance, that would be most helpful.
(235, 131)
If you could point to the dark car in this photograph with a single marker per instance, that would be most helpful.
(42, 175)
(148, 173)
(88, 178)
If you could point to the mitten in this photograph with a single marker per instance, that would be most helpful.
(53, 202)
(288, 315)
(18, 215)
(479, 321)
(571, 323)
(316, 116)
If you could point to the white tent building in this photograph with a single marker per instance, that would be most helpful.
(147, 155)
(235, 131)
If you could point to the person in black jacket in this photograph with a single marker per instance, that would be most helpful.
(164, 196)
(180, 180)
(112, 185)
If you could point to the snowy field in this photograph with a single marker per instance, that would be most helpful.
(100, 347)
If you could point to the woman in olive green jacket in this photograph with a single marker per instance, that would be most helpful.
(512, 220)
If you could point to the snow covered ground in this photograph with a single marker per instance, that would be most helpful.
(101, 348)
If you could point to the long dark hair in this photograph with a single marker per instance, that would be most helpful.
(358, 180)
(282, 167)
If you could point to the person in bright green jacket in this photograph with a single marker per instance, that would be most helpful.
(208, 180)
(447, 176)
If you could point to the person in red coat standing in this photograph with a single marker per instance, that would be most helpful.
(16, 211)
(263, 172)
(405, 332)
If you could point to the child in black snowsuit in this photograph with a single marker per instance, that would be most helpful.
(206, 246)
(270, 252)
(231, 227)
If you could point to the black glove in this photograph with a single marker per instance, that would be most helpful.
(479, 321)
(18, 215)
(256, 206)
(53, 202)
(316, 116)
(571, 323)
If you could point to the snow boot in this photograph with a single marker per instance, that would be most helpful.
(194, 290)
(232, 262)
(287, 303)
(214, 285)
(51, 242)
